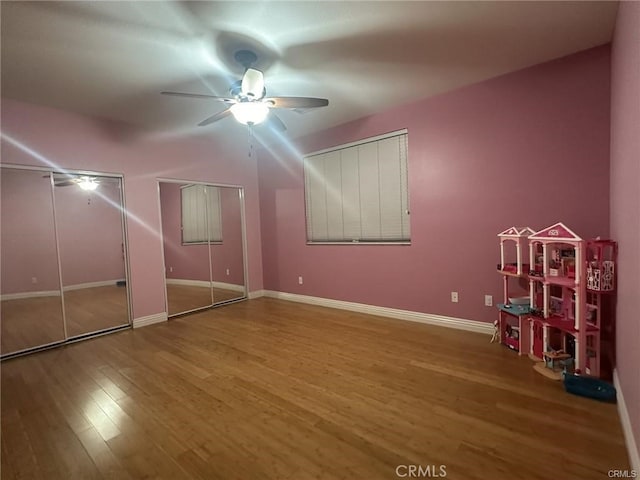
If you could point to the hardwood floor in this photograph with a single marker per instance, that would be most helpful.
(268, 389)
(35, 321)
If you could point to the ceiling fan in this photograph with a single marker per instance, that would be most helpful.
(248, 102)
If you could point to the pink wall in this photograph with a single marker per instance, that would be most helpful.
(625, 199)
(191, 262)
(527, 148)
(36, 135)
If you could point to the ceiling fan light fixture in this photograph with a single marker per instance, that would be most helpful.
(88, 184)
(249, 113)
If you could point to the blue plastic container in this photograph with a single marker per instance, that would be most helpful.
(589, 387)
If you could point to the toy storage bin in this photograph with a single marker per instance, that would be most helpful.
(589, 387)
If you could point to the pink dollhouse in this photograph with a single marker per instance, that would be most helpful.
(569, 300)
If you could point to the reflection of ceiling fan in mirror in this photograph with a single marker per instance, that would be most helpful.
(248, 102)
(85, 182)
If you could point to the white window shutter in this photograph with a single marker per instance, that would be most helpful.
(359, 192)
(201, 214)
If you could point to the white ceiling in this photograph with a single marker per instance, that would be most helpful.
(112, 59)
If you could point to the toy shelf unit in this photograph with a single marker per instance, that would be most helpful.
(566, 309)
(601, 258)
(515, 309)
(567, 317)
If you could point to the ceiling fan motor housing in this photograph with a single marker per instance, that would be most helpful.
(236, 91)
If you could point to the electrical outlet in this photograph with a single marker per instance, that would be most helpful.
(227, 272)
(34, 280)
(454, 297)
(170, 269)
(488, 300)
(299, 280)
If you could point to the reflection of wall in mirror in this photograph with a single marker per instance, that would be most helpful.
(90, 233)
(228, 255)
(27, 233)
(190, 262)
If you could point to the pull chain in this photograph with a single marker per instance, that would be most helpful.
(250, 140)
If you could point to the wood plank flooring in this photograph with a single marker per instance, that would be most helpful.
(35, 321)
(266, 389)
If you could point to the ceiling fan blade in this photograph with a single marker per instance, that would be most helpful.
(64, 179)
(215, 118)
(199, 95)
(253, 84)
(296, 102)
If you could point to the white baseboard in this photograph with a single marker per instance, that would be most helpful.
(205, 283)
(56, 293)
(21, 295)
(632, 446)
(257, 294)
(150, 320)
(105, 283)
(429, 318)
(189, 283)
(229, 286)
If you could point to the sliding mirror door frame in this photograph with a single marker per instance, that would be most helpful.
(31, 310)
(229, 254)
(184, 215)
(71, 174)
(245, 270)
(91, 231)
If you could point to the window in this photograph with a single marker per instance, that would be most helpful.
(201, 214)
(358, 192)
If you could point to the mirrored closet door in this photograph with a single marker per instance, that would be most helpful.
(202, 228)
(63, 258)
(92, 253)
(227, 252)
(31, 308)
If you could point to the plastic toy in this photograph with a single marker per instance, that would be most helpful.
(589, 387)
(496, 332)
(571, 282)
